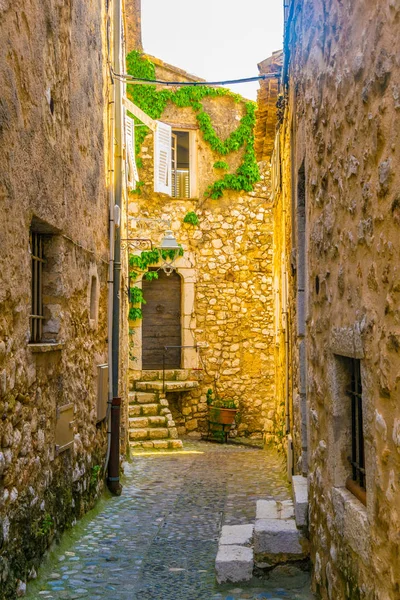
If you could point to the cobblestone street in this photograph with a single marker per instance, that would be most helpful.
(159, 539)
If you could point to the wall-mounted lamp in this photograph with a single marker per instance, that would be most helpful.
(169, 243)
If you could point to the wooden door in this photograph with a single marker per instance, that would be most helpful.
(161, 321)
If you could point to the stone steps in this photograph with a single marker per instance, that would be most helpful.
(142, 397)
(275, 538)
(170, 386)
(143, 422)
(151, 425)
(157, 445)
(148, 434)
(169, 374)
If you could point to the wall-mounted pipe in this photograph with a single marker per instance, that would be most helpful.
(110, 272)
(113, 467)
(285, 317)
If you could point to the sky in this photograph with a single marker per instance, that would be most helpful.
(214, 39)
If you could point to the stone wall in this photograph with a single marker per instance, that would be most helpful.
(53, 152)
(133, 22)
(267, 98)
(341, 124)
(226, 274)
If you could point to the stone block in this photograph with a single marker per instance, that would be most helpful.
(138, 422)
(347, 341)
(137, 434)
(234, 564)
(191, 425)
(157, 421)
(285, 509)
(173, 432)
(269, 509)
(351, 522)
(158, 433)
(150, 410)
(147, 444)
(240, 535)
(144, 397)
(175, 444)
(274, 537)
(194, 435)
(266, 509)
(160, 444)
(300, 499)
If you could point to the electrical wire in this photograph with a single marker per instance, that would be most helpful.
(129, 79)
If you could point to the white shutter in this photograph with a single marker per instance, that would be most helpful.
(133, 175)
(162, 158)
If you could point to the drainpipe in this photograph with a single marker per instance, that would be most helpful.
(110, 277)
(286, 325)
(113, 464)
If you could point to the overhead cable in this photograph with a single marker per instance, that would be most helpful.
(129, 79)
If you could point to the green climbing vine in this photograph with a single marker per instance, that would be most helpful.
(221, 164)
(153, 102)
(191, 218)
(139, 263)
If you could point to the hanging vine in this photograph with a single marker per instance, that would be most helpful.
(139, 263)
(153, 102)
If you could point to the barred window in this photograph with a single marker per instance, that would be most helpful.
(37, 316)
(356, 483)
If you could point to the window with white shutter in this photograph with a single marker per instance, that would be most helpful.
(181, 164)
(162, 158)
(133, 176)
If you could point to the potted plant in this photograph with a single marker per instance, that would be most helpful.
(221, 415)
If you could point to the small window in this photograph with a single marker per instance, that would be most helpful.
(93, 298)
(356, 483)
(45, 283)
(180, 164)
(174, 161)
(37, 312)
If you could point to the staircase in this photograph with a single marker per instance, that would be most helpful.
(279, 536)
(150, 422)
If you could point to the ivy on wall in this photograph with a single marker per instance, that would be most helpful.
(191, 218)
(153, 102)
(139, 263)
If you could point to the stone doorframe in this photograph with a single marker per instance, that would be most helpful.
(185, 269)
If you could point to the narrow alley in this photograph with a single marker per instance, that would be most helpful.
(159, 539)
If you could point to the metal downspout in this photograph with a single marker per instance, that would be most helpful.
(110, 279)
(286, 319)
(113, 465)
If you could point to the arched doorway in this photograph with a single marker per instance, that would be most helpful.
(161, 324)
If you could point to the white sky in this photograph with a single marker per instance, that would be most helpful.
(214, 39)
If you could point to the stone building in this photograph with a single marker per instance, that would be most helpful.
(336, 249)
(222, 312)
(54, 198)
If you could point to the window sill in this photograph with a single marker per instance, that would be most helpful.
(352, 523)
(46, 347)
(357, 491)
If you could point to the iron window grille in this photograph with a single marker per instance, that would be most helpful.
(37, 314)
(357, 459)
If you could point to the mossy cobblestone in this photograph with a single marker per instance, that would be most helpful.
(159, 539)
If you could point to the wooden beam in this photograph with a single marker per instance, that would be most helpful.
(138, 112)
